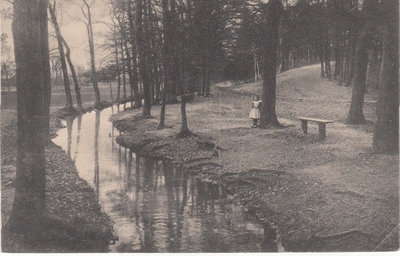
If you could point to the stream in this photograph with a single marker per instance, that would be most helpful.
(156, 207)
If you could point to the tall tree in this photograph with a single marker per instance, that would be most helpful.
(271, 13)
(386, 133)
(86, 11)
(68, 96)
(166, 20)
(130, 11)
(73, 73)
(33, 88)
(142, 47)
(117, 67)
(356, 114)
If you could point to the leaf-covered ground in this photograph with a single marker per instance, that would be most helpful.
(334, 195)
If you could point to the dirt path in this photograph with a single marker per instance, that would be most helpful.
(331, 195)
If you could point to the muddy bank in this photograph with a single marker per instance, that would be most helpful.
(70, 200)
(334, 195)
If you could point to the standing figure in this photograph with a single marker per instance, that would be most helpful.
(255, 111)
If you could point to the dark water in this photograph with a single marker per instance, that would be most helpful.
(155, 206)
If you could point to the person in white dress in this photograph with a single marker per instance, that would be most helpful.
(255, 111)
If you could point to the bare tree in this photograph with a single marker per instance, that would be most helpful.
(73, 73)
(86, 11)
(132, 32)
(68, 96)
(142, 42)
(166, 59)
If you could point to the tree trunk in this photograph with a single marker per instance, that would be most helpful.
(118, 70)
(321, 60)
(157, 82)
(356, 114)
(338, 58)
(68, 96)
(143, 57)
(89, 28)
(327, 58)
(111, 93)
(162, 112)
(352, 60)
(386, 133)
(138, 102)
(208, 82)
(285, 57)
(166, 59)
(271, 40)
(374, 67)
(172, 89)
(123, 71)
(129, 67)
(33, 91)
(74, 76)
(184, 132)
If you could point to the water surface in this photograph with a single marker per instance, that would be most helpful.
(155, 206)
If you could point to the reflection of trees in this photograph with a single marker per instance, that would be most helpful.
(269, 243)
(96, 154)
(112, 138)
(70, 122)
(78, 136)
(136, 211)
(129, 172)
(218, 223)
(149, 202)
(180, 210)
(174, 180)
(119, 167)
(168, 174)
(137, 175)
(205, 203)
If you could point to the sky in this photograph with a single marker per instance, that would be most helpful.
(73, 30)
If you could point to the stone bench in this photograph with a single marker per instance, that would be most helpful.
(321, 125)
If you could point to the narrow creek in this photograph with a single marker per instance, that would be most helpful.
(156, 207)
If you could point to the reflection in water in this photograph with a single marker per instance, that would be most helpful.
(112, 141)
(96, 154)
(269, 237)
(70, 121)
(78, 136)
(155, 206)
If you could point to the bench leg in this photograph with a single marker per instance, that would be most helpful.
(322, 131)
(304, 126)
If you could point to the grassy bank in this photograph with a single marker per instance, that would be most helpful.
(334, 195)
(70, 200)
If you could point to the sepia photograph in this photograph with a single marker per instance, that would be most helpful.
(199, 126)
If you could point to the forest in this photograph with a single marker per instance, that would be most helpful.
(156, 54)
